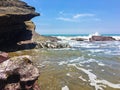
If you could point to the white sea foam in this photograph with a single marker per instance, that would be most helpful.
(116, 37)
(64, 38)
(88, 66)
(82, 61)
(72, 37)
(88, 61)
(94, 34)
(102, 70)
(82, 79)
(76, 60)
(96, 50)
(65, 88)
(62, 62)
(68, 74)
(101, 64)
(94, 81)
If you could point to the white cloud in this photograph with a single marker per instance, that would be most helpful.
(83, 15)
(65, 19)
(80, 17)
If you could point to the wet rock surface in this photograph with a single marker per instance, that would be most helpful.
(101, 38)
(78, 39)
(18, 73)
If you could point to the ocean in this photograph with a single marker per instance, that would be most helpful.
(84, 66)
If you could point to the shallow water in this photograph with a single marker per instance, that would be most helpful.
(86, 66)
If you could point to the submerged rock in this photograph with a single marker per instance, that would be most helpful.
(102, 38)
(18, 73)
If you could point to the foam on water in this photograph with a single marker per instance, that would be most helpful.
(96, 50)
(76, 60)
(82, 79)
(72, 37)
(82, 60)
(65, 88)
(102, 70)
(94, 81)
(94, 34)
(101, 64)
(116, 37)
(62, 62)
(68, 74)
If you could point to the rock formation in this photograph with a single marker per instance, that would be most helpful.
(101, 38)
(16, 33)
(79, 39)
(50, 44)
(18, 73)
(15, 24)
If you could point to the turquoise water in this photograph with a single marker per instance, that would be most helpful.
(78, 35)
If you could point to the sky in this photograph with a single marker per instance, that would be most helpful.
(77, 16)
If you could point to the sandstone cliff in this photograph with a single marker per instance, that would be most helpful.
(15, 25)
(16, 33)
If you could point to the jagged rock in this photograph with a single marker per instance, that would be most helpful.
(51, 45)
(101, 38)
(18, 73)
(15, 24)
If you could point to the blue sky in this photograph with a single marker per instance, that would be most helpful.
(77, 16)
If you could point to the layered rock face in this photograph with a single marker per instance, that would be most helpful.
(15, 24)
(18, 73)
(16, 33)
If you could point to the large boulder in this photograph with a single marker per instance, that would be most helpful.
(18, 73)
(101, 38)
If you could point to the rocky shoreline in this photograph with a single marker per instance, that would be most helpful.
(16, 33)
